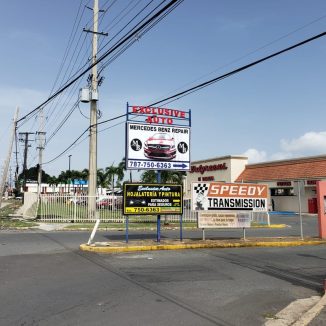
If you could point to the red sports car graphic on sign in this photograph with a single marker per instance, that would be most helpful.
(160, 146)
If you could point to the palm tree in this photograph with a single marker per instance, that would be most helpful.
(150, 176)
(110, 172)
(84, 174)
(101, 179)
(53, 182)
(63, 177)
(123, 164)
(120, 170)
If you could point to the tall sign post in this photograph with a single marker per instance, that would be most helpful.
(157, 139)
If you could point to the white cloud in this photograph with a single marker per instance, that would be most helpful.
(310, 142)
(255, 156)
(281, 156)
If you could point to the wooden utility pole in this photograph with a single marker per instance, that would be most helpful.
(41, 136)
(7, 161)
(24, 137)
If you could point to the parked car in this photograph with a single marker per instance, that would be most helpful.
(109, 202)
(160, 146)
(78, 200)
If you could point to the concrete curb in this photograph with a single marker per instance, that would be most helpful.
(308, 316)
(106, 248)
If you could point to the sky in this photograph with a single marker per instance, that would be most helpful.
(273, 111)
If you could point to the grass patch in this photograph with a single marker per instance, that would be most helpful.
(7, 222)
(269, 315)
(10, 208)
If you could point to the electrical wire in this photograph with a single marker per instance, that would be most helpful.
(88, 128)
(202, 85)
(56, 118)
(235, 71)
(101, 58)
(69, 113)
(249, 53)
(65, 119)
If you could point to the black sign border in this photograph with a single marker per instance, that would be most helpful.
(125, 184)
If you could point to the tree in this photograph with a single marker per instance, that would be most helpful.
(112, 171)
(32, 174)
(53, 181)
(150, 176)
(101, 179)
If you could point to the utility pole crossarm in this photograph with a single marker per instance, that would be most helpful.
(98, 33)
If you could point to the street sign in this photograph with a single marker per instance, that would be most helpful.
(157, 147)
(80, 182)
(227, 219)
(152, 199)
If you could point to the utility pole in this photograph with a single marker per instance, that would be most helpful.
(93, 123)
(17, 165)
(7, 161)
(24, 137)
(92, 167)
(41, 135)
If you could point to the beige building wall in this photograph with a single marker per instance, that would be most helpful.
(223, 169)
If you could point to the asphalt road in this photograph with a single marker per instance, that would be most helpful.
(46, 280)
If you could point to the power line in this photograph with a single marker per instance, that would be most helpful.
(251, 52)
(235, 71)
(120, 52)
(202, 85)
(106, 54)
(124, 49)
(63, 152)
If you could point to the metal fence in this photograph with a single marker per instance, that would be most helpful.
(58, 208)
(68, 208)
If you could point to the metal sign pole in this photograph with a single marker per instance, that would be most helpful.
(181, 237)
(158, 223)
(300, 213)
(127, 229)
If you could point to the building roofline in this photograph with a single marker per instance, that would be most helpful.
(297, 160)
(234, 157)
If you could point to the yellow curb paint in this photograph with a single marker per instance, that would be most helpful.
(86, 247)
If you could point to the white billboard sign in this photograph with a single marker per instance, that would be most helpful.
(226, 219)
(157, 147)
